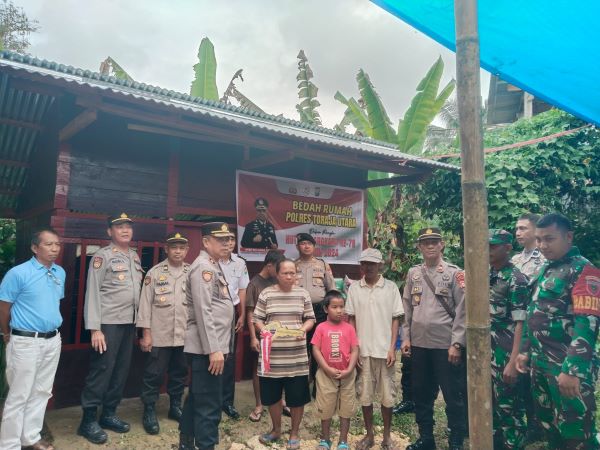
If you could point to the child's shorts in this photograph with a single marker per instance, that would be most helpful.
(335, 395)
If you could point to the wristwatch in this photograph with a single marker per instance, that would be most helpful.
(457, 346)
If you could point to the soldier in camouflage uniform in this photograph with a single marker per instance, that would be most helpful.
(559, 337)
(509, 296)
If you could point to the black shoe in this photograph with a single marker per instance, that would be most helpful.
(231, 412)
(175, 411)
(90, 429)
(110, 421)
(149, 419)
(427, 443)
(186, 442)
(404, 407)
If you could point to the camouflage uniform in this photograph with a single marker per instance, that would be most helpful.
(560, 341)
(509, 296)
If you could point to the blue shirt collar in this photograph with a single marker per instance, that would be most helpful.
(38, 265)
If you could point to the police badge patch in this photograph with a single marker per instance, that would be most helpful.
(207, 275)
(460, 279)
(147, 281)
(97, 262)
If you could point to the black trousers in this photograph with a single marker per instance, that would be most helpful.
(430, 369)
(229, 376)
(405, 380)
(108, 372)
(202, 408)
(161, 360)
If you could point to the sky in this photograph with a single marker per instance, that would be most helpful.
(156, 42)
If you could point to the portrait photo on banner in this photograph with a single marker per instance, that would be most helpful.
(272, 210)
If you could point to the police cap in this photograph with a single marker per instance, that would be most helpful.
(216, 229)
(429, 233)
(261, 203)
(118, 219)
(176, 238)
(305, 237)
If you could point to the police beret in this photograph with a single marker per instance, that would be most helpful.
(305, 237)
(176, 238)
(429, 233)
(261, 203)
(216, 229)
(118, 219)
(500, 237)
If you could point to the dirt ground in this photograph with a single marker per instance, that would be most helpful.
(234, 434)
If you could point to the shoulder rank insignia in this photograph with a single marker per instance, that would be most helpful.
(207, 275)
(97, 262)
(147, 280)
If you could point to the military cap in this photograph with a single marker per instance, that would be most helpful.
(371, 255)
(118, 219)
(176, 238)
(498, 236)
(261, 203)
(305, 237)
(215, 229)
(429, 233)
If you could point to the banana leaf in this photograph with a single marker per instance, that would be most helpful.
(205, 80)
(381, 124)
(354, 115)
(424, 107)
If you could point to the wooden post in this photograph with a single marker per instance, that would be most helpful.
(475, 222)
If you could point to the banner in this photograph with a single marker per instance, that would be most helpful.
(271, 211)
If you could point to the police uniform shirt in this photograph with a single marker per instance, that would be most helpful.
(113, 287)
(529, 263)
(236, 275)
(427, 324)
(315, 276)
(163, 304)
(210, 308)
(265, 230)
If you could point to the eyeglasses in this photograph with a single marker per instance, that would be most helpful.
(53, 277)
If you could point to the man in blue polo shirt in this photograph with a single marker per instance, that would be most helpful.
(30, 296)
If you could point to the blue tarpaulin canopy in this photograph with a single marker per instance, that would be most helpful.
(547, 48)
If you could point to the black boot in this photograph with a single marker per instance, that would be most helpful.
(186, 442)
(404, 407)
(423, 443)
(90, 429)
(110, 421)
(175, 410)
(149, 419)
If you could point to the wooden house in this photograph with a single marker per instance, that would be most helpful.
(76, 146)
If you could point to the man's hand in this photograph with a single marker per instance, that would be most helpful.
(239, 325)
(254, 344)
(257, 238)
(454, 355)
(217, 361)
(6, 338)
(98, 341)
(405, 348)
(522, 363)
(345, 374)
(146, 343)
(568, 385)
(332, 373)
(510, 373)
(391, 358)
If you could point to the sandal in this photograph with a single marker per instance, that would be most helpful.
(365, 444)
(293, 444)
(324, 444)
(256, 415)
(343, 446)
(268, 438)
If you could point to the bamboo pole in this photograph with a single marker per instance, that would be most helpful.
(475, 223)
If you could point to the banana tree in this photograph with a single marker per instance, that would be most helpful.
(369, 117)
(307, 92)
(110, 67)
(205, 80)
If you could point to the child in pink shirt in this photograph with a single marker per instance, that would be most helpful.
(335, 348)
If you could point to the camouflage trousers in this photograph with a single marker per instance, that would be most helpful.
(509, 422)
(570, 424)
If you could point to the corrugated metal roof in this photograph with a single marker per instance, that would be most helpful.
(216, 110)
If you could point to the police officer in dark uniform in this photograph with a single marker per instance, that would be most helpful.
(208, 340)
(260, 233)
(111, 299)
(162, 316)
